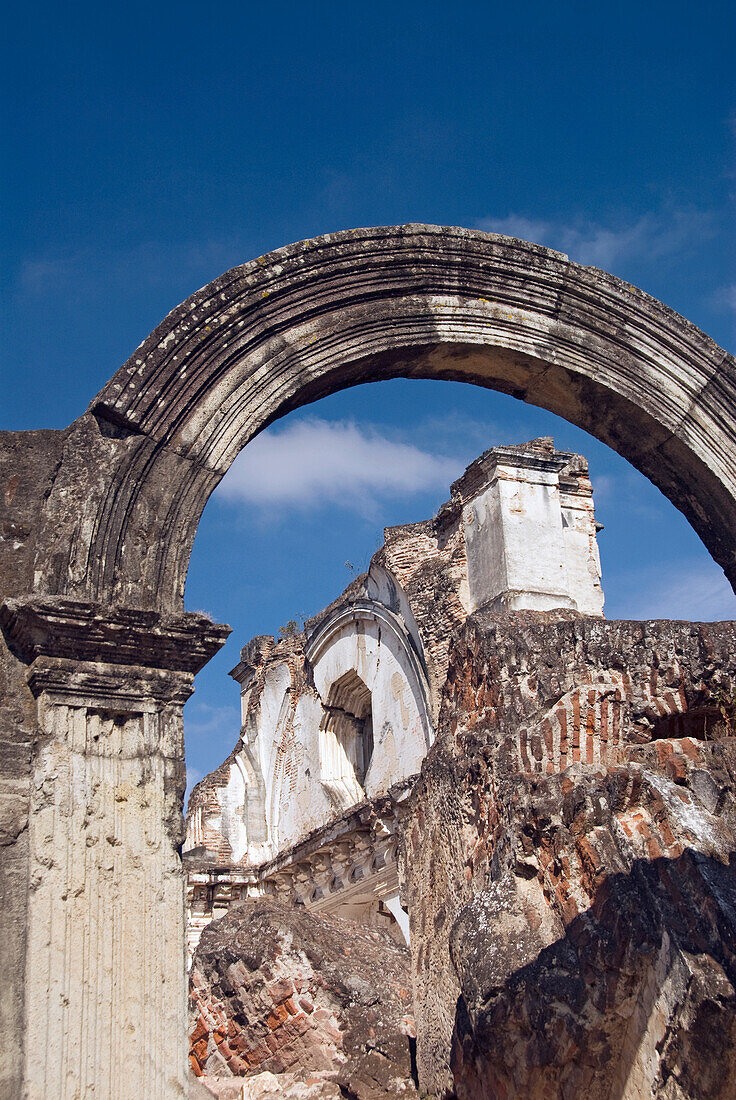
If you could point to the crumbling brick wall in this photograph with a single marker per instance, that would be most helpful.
(428, 559)
(568, 862)
(276, 988)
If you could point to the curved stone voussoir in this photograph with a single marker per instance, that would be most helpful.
(371, 304)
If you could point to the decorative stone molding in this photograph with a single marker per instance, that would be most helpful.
(349, 864)
(122, 688)
(81, 631)
(210, 894)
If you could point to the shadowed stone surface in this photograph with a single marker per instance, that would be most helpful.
(277, 989)
(580, 806)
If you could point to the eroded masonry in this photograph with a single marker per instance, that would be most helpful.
(337, 718)
(566, 855)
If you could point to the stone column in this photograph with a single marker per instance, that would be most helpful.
(105, 963)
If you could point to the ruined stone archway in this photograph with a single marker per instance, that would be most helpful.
(371, 304)
(97, 658)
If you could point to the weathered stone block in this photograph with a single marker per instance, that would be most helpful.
(585, 943)
(354, 1014)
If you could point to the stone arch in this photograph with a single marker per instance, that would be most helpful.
(103, 515)
(371, 304)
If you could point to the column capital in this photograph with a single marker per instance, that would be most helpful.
(122, 688)
(75, 630)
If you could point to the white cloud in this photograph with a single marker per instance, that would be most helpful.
(312, 463)
(105, 268)
(725, 298)
(699, 593)
(38, 276)
(515, 225)
(204, 720)
(193, 777)
(589, 242)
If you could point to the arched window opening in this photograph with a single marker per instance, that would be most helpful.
(346, 740)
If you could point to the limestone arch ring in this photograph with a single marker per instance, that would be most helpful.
(412, 301)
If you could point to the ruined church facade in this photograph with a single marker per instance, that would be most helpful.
(337, 718)
(98, 657)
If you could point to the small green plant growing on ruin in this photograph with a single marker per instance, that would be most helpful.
(725, 702)
(289, 630)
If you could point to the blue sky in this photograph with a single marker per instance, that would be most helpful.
(147, 148)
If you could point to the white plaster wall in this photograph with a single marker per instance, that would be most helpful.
(298, 802)
(281, 734)
(269, 710)
(400, 730)
(514, 539)
(484, 544)
(232, 801)
(582, 558)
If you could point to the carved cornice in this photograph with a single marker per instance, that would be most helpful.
(117, 687)
(481, 473)
(78, 631)
(575, 486)
(374, 816)
(350, 860)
